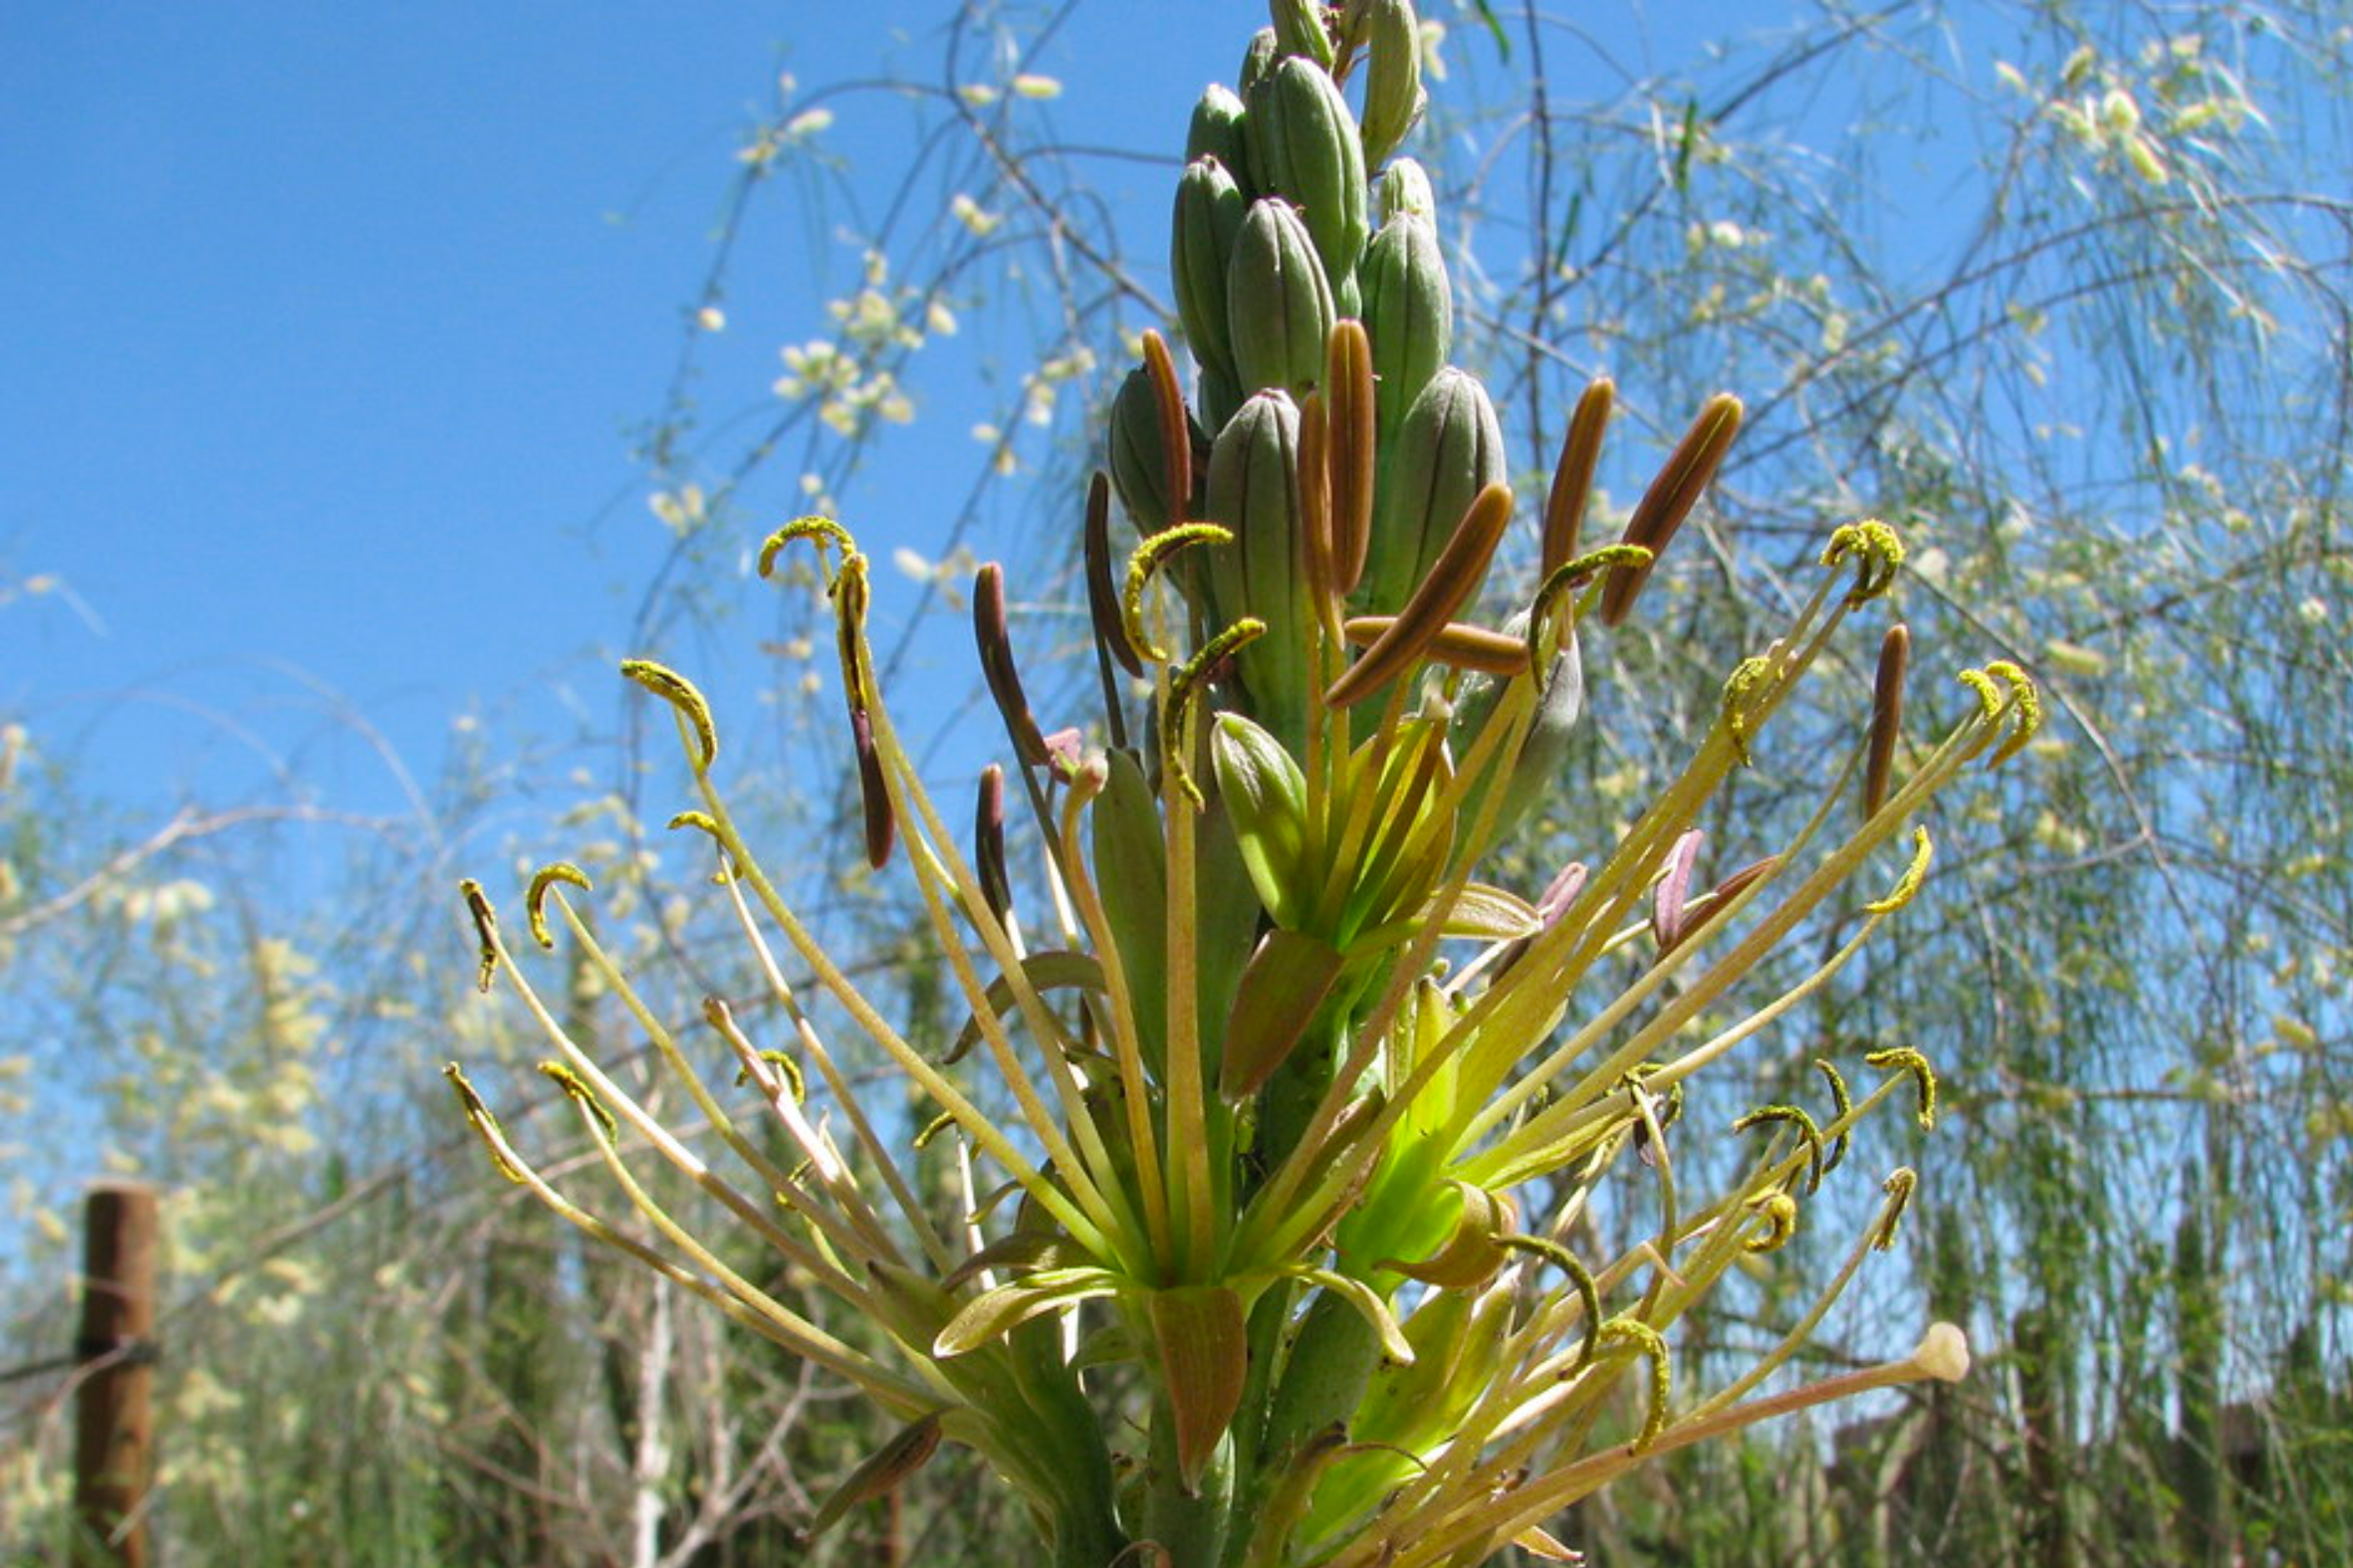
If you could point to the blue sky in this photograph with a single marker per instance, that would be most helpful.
(328, 325)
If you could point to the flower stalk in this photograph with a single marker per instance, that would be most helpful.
(1305, 1124)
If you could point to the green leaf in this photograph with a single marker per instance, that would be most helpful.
(1204, 1355)
(1056, 971)
(1281, 990)
(995, 1313)
(880, 1472)
(1368, 1302)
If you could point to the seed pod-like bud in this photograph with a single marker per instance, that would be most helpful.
(1217, 131)
(1393, 96)
(1208, 222)
(1449, 448)
(1304, 145)
(1279, 308)
(1409, 312)
(1405, 187)
(1253, 491)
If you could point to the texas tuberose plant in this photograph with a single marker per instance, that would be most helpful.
(1269, 1283)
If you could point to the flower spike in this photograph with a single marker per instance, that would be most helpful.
(2028, 700)
(1147, 560)
(535, 901)
(1923, 851)
(1185, 686)
(680, 694)
(1877, 552)
(1842, 1105)
(485, 930)
(480, 1118)
(822, 529)
(1899, 1186)
(1924, 1077)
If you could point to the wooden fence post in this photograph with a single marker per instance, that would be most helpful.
(112, 1420)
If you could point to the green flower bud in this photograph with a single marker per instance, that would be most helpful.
(1253, 491)
(1266, 797)
(1405, 187)
(1137, 459)
(1299, 29)
(1408, 314)
(1209, 212)
(1304, 145)
(1218, 132)
(1258, 59)
(1279, 308)
(1449, 448)
(1393, 96)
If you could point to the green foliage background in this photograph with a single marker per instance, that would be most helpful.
(2100, 378)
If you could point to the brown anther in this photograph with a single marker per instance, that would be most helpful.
(988, 843)
(1454, 576)
(873, 794)
(1348, 449)
(1561, 892)
(1705, 908)
(1672, 495)
(1887, 716)
(1176, 432)
(1316, 541)
(1573, 474)
(1673, 890)
(996, 666)
(1558, 894)
(1458, 644)
(1103, 591)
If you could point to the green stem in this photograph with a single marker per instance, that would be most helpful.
(1324, 1379)
(1191, 1526)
